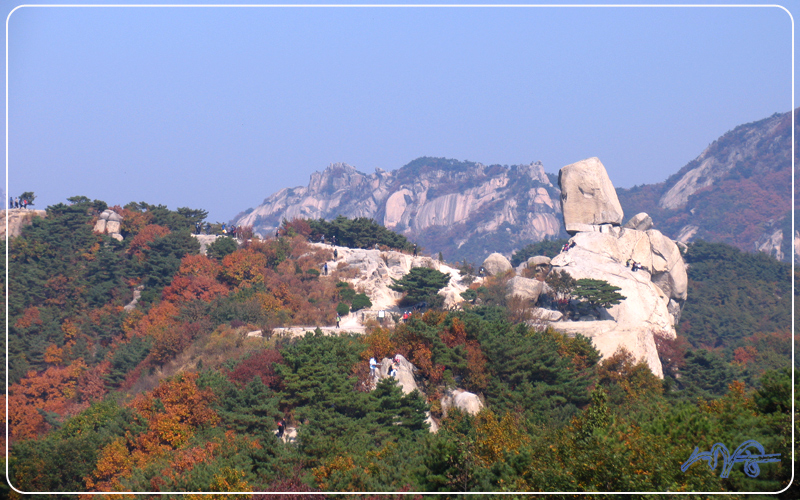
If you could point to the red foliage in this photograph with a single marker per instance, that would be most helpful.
(295, 226)
(186, 289)
(671, 352)
(91, 384)
(259, 364)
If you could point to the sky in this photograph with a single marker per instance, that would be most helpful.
(219, 107)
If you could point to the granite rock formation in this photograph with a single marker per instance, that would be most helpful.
(588, 198)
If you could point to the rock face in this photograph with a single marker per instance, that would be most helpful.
(109, 223)
(654, 293)
(447, 205)
(463, 400)
(404, 375)
(587, 196)
(17, 219)
(496, 264)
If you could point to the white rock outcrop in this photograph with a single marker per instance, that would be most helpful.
(524, 288)
(377, 268)
(110, 223)
(463, 400)
(405, 373)
(587, 196)
(17, 219)
(655, 293)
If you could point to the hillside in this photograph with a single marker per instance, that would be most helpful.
(737, 191)
(183, 389)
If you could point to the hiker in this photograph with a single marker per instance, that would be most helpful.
(415, 249)
(24, 203)
(338, 319)
(335, 254)
(233, 231)
(16, 202)
(10, 202)
(197, 228)
(628, 263)
(333, 240)
(281, 428)
(373, 367)
(635, 266)
(393, 369)
(224, 231)
(322, 240)
(572, 244)
(481, 271)
(325, 268)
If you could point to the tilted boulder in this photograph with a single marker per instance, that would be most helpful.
(587, 196)
(496, 264)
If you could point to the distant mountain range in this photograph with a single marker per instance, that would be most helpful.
(737, 191)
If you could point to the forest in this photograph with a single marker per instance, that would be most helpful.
(172, 395)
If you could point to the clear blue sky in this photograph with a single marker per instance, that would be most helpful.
(217, 108)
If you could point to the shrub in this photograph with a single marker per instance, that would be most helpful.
(361, 301)
(342, 309)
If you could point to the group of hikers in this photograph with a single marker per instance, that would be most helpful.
(373, 367)
(17, 203)
(332, 240)
(567, 246)
(233, 231)
(635, 266)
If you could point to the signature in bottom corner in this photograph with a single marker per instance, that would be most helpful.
(741, 454)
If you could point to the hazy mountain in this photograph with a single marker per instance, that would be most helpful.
(737, 191)
(463, 209)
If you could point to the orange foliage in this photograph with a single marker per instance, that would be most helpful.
(132, 221)
(199, 265)
(139, 243)
(159, 319)
(53, 390)
(188, 288)
(53, 355)
(495, 438)
(244, 267)
(91, 384)
(29, 317)
(69, 328)
(172, 413)
(455, 335)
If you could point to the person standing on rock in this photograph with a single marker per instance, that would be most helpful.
(24, 204)
(338, 319)
(373, 367)
(325, 268)
(335, 254)
(322, 239)
(415, 249)
(10, 202)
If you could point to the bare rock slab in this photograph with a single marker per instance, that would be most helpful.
(587, 196)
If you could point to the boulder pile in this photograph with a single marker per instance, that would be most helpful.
(655, 289)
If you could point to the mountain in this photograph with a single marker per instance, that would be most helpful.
(463, 209)
(737, 191)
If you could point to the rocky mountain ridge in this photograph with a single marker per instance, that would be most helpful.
(459, 208)
(737, 191)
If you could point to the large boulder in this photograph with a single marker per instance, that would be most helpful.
(496, 264)
(587, 196)
(525, 288)
(404, 375)
(463, 400)
(109, 222)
